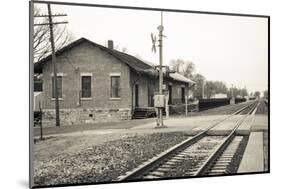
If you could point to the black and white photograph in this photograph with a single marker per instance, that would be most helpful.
(126, 94)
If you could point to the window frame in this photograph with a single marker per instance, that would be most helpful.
(114, 97)
(81, 86)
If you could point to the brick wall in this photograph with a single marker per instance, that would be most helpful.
(100, 64)
(78, 116)
(176, 89)
(145, 84)
(89, 60)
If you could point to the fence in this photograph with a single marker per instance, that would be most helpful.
(205, 104)
(239, 100)
(180, 108)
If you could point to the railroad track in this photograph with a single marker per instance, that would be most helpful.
(198, 155)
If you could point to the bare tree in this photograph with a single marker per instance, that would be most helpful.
(41, 37)
(185, 68)
(210, 89)
(199, 80)
(257, 94)
(124, 49)
(215, 87)
(265, 94)
(121, 49)
(237, 92)
(244, 92)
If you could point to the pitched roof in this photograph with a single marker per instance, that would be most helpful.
(136, 64)
(179, 77)
(175, 75)
(131, 61)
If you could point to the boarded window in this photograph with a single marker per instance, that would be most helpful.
(115, 87)
(86, 87)
(59, 86)
(38, 85)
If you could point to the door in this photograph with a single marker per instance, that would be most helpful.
(136, 95)
(170, 94)
(150, 95)
(183, 95)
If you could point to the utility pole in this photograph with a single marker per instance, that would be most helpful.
(161, 28)
(159, 99)
(51, 25)
(55, 66)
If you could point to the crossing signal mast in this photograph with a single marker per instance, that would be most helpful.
(159, 99)
(51, 25)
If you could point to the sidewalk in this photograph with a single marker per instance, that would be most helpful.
(184, 123)
(87, 127)
(255, 157)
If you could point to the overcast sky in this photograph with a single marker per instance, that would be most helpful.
(231, 49)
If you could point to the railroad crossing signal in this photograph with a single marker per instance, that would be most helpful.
(153, 39)
(159, 123)
(159, 101)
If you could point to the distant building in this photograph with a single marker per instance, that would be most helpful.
(97, 84)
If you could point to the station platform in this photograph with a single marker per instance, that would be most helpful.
(245, 127)
(253, 158)
(260, 123)
(256, 153)
(196, 124)
(191, 125)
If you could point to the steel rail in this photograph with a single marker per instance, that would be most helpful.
(220, 149)
(157, 160)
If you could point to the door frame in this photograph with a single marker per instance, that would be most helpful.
(170, 89)
(136, 95)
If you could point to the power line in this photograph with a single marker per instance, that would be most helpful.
(49, 24)
(46, 15)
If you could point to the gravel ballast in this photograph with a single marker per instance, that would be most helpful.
(99, 163)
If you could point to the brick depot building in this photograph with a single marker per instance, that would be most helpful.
(98, 84)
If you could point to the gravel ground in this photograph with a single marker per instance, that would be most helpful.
(64, 161)
(265, 149)
(234, 165)
(100, 157)
(262, 108)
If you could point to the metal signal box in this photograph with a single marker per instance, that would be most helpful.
(159, 101)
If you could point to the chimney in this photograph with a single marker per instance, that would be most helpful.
(110, 44)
